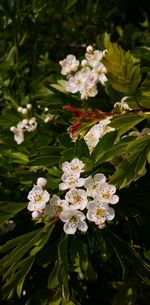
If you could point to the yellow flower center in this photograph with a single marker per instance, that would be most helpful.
(71, 181)
(73, 219)
(37, 197)
(77, 199)
(106, 195)
(74, 167)
(100, 213)
(58, 209)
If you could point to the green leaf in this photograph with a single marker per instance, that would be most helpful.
(81, 149)
(44, 161)
(133, 165)
(123, 75)
(103, 146)
(143, 94)
(53, 280)
(126, 121)
(21, 240)
(17, 278)
(9, 209)
(123, 248)
(43, 240)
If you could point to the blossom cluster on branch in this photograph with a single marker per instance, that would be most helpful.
(22, 126)
(85, 76)
(83, 198)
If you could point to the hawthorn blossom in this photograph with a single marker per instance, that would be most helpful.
(99, 213)
(73, 220)
(56, 206)
(84, 78)
(77, 198)
(22, 126)
(74, 167)
(101, 70)
(96, 132)
(93, 184)
(69, 64)
(71, 181)
(18, 134)
(123, 106)
(106, 194)
(37, 198)
(94, 57)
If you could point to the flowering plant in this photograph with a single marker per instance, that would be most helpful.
(90, 140)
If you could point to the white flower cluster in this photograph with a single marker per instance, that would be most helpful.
(84, 77)
(38, 197)
(84, 198)
(22, 126)
(25, 109)
(96, 132)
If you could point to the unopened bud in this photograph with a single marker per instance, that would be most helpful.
(29, 106)
(89, 49)
(24, 111)
(12, 128)
(36, 214)
(41, 182)
(19, 109)
(84, 63)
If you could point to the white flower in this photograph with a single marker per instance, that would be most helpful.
(93, 184)
(77, 198)
(97, 131)
(69, 64)
(56, 206)
(74, 167)
(18, 136)
(122, 105)
(41, 182)
(106, 194)
(101, 70)
(76, 82)
(38, 198)
(99, 213)
(71, 181)
(89, 90)
(32, 124)
(73, 220)
(92, 137)
(94, 58)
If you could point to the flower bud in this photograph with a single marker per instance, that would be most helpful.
(12, 128)
(41, 182)
(89, 49)
(29, 106)
(25, 122)
(24, 111)
(36, 214)
(84, 63)
(19, 109)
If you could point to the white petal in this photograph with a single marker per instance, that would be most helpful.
(100, 177)
(70, 228)
(82, 226)
(31, 206)
(110, 213)
(114, 200)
